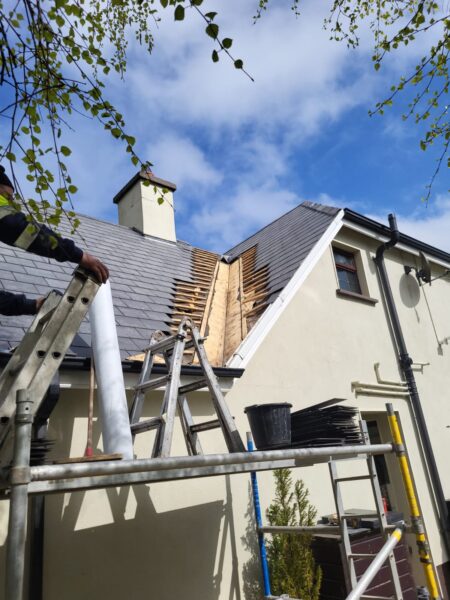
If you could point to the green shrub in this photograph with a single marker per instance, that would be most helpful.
(291, 562)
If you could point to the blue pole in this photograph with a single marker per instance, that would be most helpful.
(258, 518)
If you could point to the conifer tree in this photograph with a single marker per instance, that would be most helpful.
(291, 562)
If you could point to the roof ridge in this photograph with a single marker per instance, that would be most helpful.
(318, 207)
(140, 234)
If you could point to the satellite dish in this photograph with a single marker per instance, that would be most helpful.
(424, 273)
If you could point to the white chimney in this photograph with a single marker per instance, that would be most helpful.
(148, 207)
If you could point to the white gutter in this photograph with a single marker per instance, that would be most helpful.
(251, 343)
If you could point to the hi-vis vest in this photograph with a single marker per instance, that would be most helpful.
(29, 233)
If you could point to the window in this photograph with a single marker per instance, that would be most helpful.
(346, 271)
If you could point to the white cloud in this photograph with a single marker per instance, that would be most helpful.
(428, 223)
(180, 160)
(229, 144)
(234, 219)
(299, 74)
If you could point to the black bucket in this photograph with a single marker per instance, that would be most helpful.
(270, 425)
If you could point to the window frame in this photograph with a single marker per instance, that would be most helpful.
(350, 267)
(357, 268)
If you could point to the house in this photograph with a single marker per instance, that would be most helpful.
(294, 313)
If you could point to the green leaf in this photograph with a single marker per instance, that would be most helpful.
(11, 156)
(72, 189)
(238, 63)
(212, 30)
(65, 151)
(135, 160)
(179, 13)
(227, 42)
(116, 132)
(215, 56)
(377, 66)
(164, 3)
(210, 15)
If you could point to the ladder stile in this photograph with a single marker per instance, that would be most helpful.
(187, 423)
(348, 562)
(231, 434)
(138, 400)
(348, 555)
(398, 595)
(163, 441)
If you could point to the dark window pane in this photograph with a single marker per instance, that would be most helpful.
(344, 258)
(348, 280)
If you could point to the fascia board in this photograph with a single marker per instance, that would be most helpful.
(399, 246)
(251, 343)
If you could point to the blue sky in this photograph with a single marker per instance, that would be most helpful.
(242, 153)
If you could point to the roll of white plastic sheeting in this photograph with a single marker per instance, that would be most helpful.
(108, 367)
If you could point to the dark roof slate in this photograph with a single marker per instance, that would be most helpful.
(286, 242)
(144, 271)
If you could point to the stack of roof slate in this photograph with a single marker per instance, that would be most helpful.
(325, 424)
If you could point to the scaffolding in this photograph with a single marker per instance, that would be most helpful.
(22, 481)
(33, 366)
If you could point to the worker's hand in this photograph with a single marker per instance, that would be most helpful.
(91, 263)
(39, 303)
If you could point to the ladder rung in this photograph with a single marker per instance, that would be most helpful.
(163, 345)
(355, 478)
(361, 555)
(166, 345)
(191, 387)
(146, 425)
(205, 426)
(152, 384)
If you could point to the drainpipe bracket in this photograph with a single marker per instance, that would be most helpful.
(405, 361)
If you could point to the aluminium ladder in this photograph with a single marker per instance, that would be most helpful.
(349, 556)
(172, 349)
(42, 349)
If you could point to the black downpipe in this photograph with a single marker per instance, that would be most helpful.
(406, 362)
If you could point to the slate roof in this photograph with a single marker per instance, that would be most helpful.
(144, 271)
(285, 243)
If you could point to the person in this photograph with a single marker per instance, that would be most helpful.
(16, 230)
